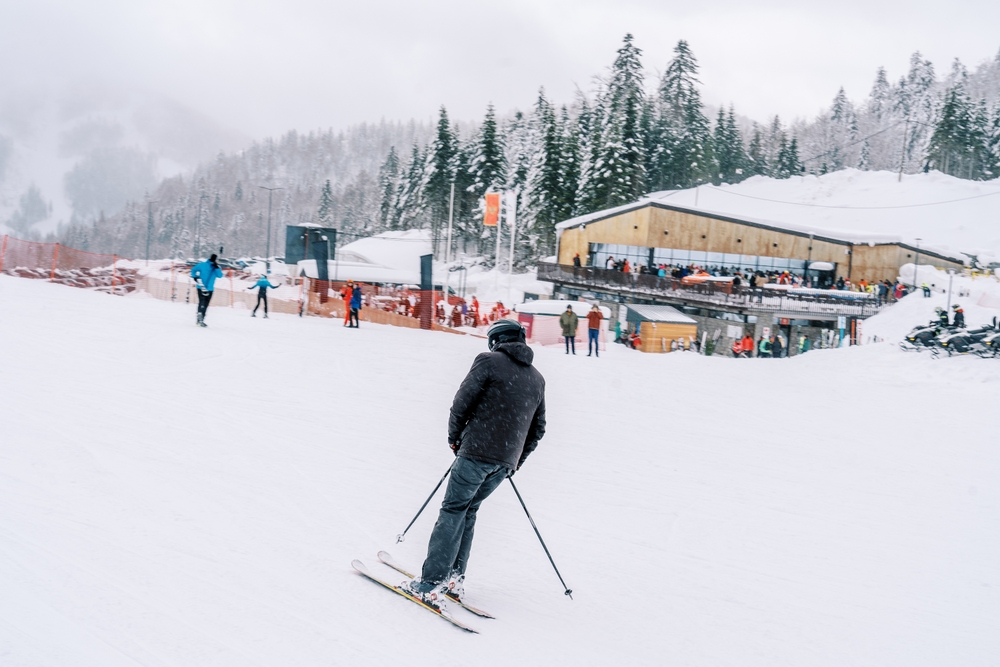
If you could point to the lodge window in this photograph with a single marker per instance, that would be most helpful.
(710, 261)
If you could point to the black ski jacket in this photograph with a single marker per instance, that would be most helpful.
(498, 415)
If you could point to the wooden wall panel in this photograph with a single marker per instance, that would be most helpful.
(663, 228)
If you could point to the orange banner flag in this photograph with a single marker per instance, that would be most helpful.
(492, 209)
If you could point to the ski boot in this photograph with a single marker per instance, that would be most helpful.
(431, 594)
(456, 587)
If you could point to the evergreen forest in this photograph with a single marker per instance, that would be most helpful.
(629, 135)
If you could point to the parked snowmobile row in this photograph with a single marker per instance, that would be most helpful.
(939, 339)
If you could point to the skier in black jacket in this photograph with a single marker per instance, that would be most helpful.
(497, 419)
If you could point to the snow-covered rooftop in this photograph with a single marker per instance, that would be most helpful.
(948, 215)
(397, 250)
(661, 314)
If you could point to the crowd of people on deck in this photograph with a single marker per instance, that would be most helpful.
(883, 290)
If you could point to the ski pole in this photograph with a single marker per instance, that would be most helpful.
(402, 535)
(567, 591)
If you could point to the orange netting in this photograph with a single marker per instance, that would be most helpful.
(68, 266)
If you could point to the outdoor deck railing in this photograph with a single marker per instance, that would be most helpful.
(720, 293)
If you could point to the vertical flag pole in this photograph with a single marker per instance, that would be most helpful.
(447, 251)
(512, 221)
(496, 261)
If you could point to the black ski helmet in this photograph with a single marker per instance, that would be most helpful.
(504, 331)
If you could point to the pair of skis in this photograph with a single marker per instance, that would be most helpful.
(385, 558)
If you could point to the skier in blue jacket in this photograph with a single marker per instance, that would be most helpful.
(355, 305)
(263, 284)
(204, 274)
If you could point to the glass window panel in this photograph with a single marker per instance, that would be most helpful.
(732, 260)
(681, 256)
(714, 258)
(764, 263)
(798, 264)
(699, 256)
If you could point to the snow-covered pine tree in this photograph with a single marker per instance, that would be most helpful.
(411, 203)
(569, 166)
(542, 205)
(388, 187)
(619, 172)
(728, 148)
(441, 174)
(960, 144)
(757, 163)
(487, 172)
(688, 157)
(325, 212)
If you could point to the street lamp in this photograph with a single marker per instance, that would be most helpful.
(916, 264)
(267, 255)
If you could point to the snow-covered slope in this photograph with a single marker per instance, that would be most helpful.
(181, 496)
(945, 212)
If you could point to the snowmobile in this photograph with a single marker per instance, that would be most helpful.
(922, 338)
(964, 341)
(990, 345)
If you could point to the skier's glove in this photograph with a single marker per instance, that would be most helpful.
(454, 447)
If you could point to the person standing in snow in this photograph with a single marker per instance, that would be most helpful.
(345, 295)
(355, 305)
(959, 319)
(262, 286)
(205, 274)
(594, 318)
(778, 347)
(496, 421)
(568, 322)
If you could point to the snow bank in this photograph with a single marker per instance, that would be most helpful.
(978, 297)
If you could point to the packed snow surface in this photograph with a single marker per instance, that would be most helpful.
(180, 496)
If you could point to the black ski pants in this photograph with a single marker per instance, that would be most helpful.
(353, 318)
(451, 540)
(204, 296)
(261, 297)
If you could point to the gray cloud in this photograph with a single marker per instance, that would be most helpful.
(265, 67)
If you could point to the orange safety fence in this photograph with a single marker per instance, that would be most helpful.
(68, 266)
(399, 307)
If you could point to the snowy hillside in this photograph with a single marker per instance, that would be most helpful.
(945, 212)
(181, 496)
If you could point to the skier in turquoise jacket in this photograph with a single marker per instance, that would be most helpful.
(262, 285)
(205, 274)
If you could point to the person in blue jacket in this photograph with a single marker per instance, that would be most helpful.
(263, 284)
(205, 274)
(355, 305)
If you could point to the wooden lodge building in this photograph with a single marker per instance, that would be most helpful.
(651, 232)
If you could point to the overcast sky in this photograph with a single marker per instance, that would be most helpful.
(263, 66)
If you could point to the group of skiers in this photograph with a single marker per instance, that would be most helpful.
(569, 321)
(767, 347)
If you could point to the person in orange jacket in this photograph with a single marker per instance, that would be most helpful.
(345, 293)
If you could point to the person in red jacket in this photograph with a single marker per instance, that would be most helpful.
(594, 318)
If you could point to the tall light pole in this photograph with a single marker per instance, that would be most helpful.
(447, 250)
(149, 226)
(267, 257)
(916, 264)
